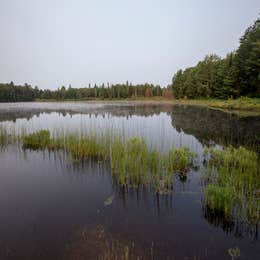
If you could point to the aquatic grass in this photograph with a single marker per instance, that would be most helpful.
(180, 160)
(129, 159)
(233, 182)
(39, 140)
(242, 103)
(3, 136)
(132, 163)
(136, 165)
(220, 198)
(9, 136)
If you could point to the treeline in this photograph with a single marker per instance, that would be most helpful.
(13, 93)
(238, 74)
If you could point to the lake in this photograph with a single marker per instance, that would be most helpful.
(55, 208)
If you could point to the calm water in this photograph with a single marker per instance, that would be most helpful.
(54, 209)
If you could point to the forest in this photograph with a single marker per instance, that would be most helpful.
(13, 93)
(236, 75)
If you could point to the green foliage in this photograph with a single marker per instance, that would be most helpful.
(131, 161)
(38, 140)
(179, 160)
(233, 182)
(236, 75)
(247, 61)
(13, 93)
(3, 136)
(244, 103)
(220, 198)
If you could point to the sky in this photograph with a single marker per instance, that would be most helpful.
(50, 43)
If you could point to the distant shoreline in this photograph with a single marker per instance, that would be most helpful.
(242, 105)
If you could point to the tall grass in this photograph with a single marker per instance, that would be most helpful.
(9, 136)
(132, 163)
(233, 183)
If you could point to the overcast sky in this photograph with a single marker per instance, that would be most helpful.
(50, 43)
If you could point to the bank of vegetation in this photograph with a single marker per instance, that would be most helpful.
(232, 183)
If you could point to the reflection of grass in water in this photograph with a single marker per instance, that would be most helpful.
(233, 183)
(131, 161)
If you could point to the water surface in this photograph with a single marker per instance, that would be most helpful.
(52, 208)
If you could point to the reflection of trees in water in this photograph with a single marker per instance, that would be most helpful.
(215, 126)
(207, 125)
(230, 224)
(118, 111)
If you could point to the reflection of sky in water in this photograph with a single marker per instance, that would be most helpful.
(45, 195)
(156, 129)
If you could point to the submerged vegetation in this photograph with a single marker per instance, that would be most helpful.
(232, 183)
(99, 243)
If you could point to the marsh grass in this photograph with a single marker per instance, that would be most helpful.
(237, 104)
(232, 183)
(9, 136)
(132, 163)
(38, 140)
(3, 136)
(244, 104)
(136, 165)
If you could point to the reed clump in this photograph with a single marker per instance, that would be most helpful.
(38, 140)
(129, 161)
(3, 136)
(233, 183)
(132, 163)
(8, 137)
(136, 165)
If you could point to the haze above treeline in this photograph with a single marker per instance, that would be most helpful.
(238, 74)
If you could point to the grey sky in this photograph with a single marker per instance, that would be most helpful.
(50, 43)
